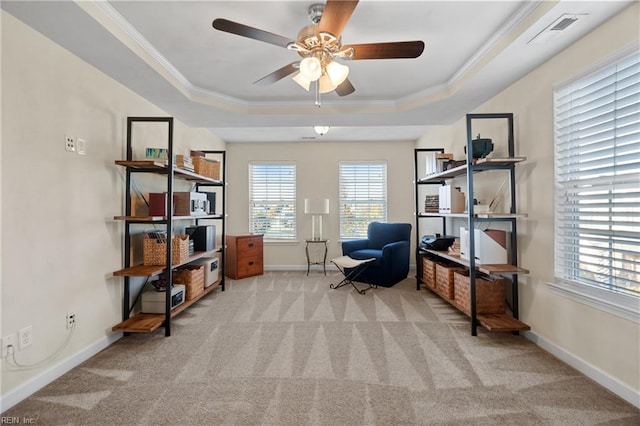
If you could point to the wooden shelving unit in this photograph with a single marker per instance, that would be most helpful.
(484, 268)
(146, 322)
(491, 163)
(155, 270)
(493, 322)
(491, 215)
(162, 167)
(162, 219)
(502, 322)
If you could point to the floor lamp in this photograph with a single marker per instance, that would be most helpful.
(316, 207)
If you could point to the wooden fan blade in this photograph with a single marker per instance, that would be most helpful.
(345, 88)
(250, 32)
(391, 50)
(277, 74)
(335, 16)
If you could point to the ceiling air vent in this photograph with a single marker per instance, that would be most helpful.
(564, 23)
(556, 28)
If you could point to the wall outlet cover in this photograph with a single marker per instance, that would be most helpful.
(81, 146)
(69, 143)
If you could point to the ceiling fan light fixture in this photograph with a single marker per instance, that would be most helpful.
(302, 81)
(321, 130)
(325, 84)
(311, 68)
(337, 72)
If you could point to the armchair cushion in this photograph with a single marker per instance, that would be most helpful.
(389, 244)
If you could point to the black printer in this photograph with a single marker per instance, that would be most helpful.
(436, 242)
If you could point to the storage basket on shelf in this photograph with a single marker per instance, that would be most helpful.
(444, 279)
(429, 272)
(192, 277)
(490, 294)
(206, 167)
(154, 250)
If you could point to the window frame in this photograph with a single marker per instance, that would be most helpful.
(292, 207)
(612, 300)
(344, 200)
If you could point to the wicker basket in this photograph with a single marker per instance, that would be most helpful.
(192, 276)
(206, 167)
(429, 272)
(154, 251)
(490, 295)
(444, 280)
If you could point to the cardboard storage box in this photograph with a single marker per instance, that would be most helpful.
(490, 246)
(153, 302)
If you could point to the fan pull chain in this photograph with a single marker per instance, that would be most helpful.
(318, 101)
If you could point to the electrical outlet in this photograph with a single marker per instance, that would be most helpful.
(71, 320)
(81, 146)
(7, 341)
(25, 337)
(69, 143)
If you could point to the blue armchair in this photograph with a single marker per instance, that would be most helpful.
(389, 244)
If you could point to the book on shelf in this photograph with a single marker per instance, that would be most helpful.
(435, 162)
(185, 162)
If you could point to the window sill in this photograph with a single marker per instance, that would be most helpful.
(618, 304)
(281, 242)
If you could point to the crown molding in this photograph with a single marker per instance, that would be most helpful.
(107, 16)
(515, 26)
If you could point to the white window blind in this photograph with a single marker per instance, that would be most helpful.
(363, 197)
(272, 204)
(597, 179)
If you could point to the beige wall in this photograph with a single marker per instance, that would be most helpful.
(605, 342)
(317, 176)
(59, 244)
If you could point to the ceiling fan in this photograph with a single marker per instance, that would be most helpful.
(319, 44)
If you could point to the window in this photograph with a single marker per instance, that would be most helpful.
(363, 197)
(597, 181)
(272, 203)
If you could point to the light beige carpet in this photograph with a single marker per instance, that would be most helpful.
(284, 349)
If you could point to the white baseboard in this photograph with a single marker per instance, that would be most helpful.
(594, 373)
(330, 267)
(39, 381)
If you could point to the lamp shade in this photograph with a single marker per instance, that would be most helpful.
(316, 206)
(302, 81)
(325, 84)
(337, 72)
(311, 68)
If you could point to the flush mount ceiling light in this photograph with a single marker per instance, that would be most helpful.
(321, 130)
(320, 46)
